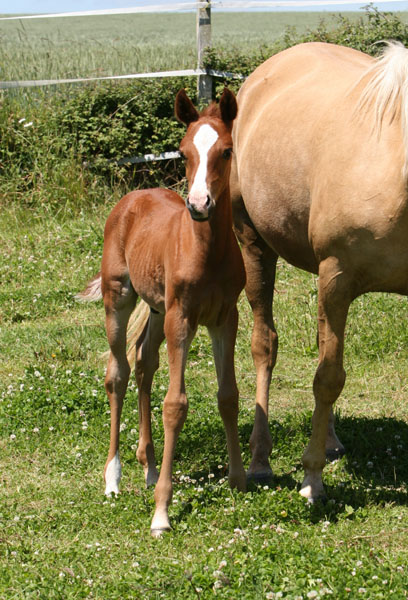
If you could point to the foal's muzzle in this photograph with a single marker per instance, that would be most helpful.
(200, 209)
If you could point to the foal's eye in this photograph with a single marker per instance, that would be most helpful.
(227, 153)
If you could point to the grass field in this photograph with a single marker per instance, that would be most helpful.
(99, 46)
(60, 538)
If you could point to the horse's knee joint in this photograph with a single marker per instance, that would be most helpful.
(175, 412)
(228, 405)
(329, 381)
(117, 380)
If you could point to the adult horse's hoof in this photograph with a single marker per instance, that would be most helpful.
(260, 478)
(335, 453)
(157, 533)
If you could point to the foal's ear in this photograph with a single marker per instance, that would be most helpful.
(228, 107)
(184, 109)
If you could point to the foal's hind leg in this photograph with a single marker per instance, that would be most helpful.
(223, 341)
(260, 266)
(119, 299)
(147, 363)
(334, 302)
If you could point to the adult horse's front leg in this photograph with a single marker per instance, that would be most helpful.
(260, 266)
(119, 299)
(147, 363)
(334, 302)
(223, 342)
(178, 336)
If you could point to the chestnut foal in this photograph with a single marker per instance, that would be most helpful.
(183, 260)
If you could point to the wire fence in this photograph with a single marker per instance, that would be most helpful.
(203, 8)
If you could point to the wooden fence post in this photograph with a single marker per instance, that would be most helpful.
(205, 84)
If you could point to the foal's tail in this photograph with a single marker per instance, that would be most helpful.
(93, 291)
(136, 325)
(137, 321)
(387, 90)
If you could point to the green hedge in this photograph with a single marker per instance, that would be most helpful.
(77, 134)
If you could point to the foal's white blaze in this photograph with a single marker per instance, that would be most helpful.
(203, 140)
(112, 475)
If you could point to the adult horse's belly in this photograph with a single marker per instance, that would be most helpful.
(289, 112)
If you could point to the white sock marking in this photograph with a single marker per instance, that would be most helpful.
(112, 475)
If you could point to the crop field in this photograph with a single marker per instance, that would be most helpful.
(60, 538)
(99, 46)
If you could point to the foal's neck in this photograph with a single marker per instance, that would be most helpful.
(215, 234)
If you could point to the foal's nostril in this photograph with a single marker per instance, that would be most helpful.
(207, 204)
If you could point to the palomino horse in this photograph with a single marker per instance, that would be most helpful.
(183, 260)
(319, 177)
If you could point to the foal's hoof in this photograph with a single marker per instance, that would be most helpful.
(333, 454)
(322, 499)
(260, 478)
(157, 533)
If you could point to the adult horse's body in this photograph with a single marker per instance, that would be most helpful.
(183, 260)
(319, 178)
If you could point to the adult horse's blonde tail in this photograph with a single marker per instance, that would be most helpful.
(137, 321)
(387, 90)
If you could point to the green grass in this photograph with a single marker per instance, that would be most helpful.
(61, 538)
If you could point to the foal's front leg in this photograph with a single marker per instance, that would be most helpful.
(223, 342)
(179, 336)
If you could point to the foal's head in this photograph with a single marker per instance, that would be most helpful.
(207, 147)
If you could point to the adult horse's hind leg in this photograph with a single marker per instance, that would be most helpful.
(223, 342)
(260, 266)
(334, 302)
(147, 363)
(119, 299)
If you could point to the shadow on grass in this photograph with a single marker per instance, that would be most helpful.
(374, 470)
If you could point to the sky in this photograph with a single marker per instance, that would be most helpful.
(26, 7)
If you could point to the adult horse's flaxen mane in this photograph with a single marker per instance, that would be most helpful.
(386, 93)
(319, 177)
